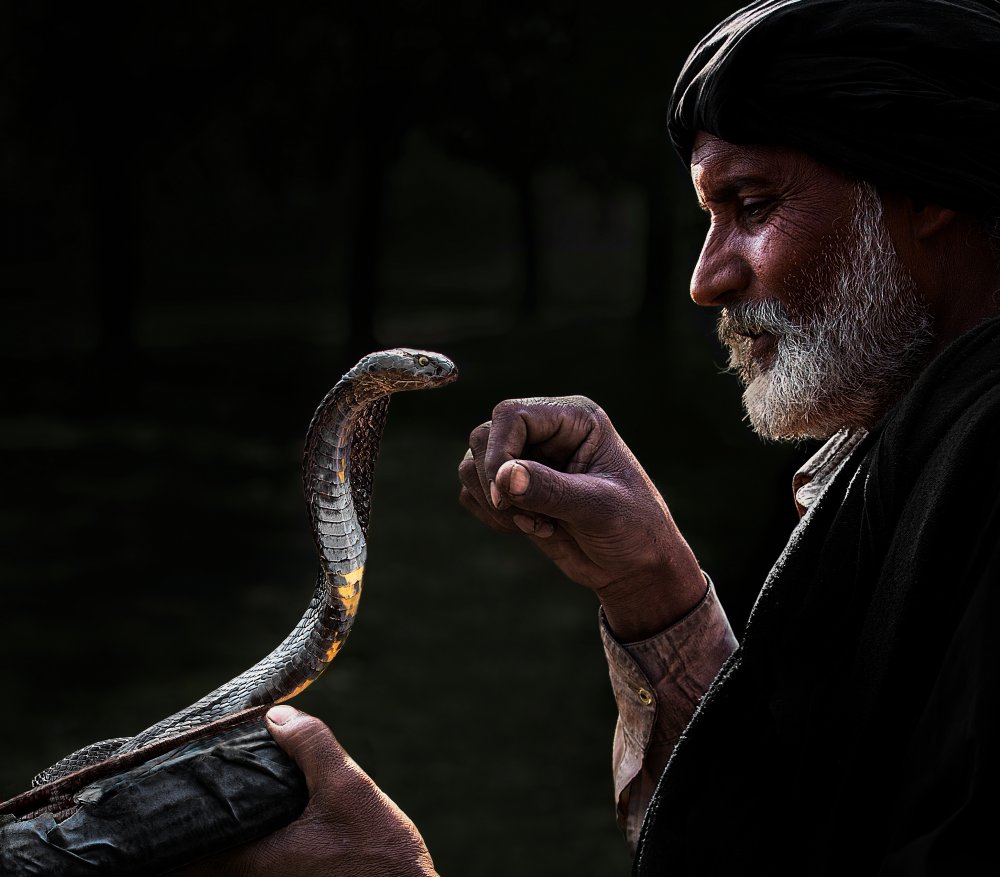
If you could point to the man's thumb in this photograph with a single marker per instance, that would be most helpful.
(536, 488)
(308, 741)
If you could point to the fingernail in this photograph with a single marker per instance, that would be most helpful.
(519, 480)
(525, 523)
(494, 495)
(541, 527)
(281, 714)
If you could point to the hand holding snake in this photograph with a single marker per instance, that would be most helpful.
(349, 826)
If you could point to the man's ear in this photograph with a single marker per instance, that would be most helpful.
(927, 218)
(912, 219)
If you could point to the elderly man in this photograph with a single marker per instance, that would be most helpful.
(845, 153)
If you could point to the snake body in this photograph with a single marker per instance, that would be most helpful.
(338, 468)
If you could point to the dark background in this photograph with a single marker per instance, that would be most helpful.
(207, 215)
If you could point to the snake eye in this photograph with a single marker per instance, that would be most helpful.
(422, 361)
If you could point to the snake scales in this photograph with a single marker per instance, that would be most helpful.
(338, 467)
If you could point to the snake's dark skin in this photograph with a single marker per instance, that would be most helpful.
(338, 467)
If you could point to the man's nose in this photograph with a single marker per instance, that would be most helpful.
(722, 273)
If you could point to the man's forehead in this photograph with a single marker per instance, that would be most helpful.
(720, 168)
(716, 163)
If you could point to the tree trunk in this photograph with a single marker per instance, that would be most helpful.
(652, 313)
(527, 215)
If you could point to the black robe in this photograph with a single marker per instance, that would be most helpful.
(855, 729)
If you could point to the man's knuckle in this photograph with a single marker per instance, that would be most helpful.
(480, 436)
(467, 471)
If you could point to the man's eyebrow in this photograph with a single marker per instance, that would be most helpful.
(726, 189)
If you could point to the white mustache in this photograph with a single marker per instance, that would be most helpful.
(744, 319)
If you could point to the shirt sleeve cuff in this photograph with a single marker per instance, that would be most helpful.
(658, 682)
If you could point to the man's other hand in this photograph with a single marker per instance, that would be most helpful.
(555, 469)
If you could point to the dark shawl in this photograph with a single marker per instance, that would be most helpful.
(855, 729)
(903, 93)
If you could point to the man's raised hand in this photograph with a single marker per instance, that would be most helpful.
(555, 469)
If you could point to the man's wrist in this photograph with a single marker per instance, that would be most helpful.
(637, 610)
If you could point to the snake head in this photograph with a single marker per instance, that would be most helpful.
(404, 368)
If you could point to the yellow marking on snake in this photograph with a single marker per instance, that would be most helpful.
(350, 591)
(350, 594)
(354, 576)
(302, 686)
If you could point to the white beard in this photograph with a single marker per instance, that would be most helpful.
(848, 360)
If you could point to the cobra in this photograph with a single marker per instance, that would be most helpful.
(338, 466)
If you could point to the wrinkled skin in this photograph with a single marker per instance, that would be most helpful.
(556, 470)
(335, 833)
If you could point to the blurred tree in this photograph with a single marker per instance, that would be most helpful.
(68, 116)
(505, 66)
(96, 102)
(393, 66)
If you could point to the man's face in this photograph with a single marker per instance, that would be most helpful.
(822, 320)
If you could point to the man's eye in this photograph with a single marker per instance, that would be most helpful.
(755, 208)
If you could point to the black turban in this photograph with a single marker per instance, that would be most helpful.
(902, 93)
